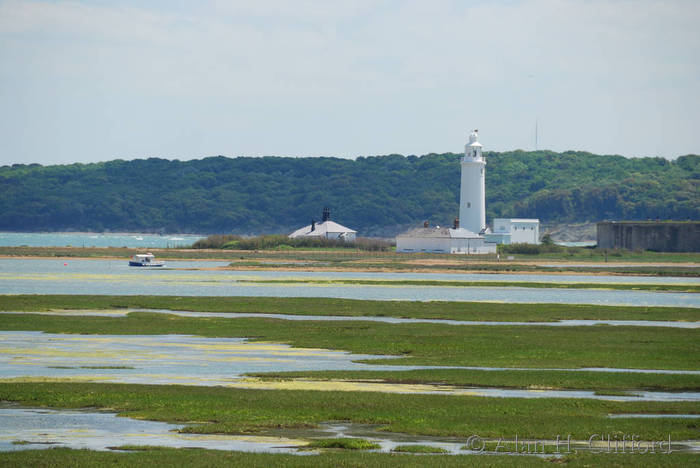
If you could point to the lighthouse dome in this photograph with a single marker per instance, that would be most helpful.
(474, 139)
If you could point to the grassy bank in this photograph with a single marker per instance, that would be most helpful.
(418, 344)
(488, 284)
(235, 411)
(350, 307)
(206, 458)
(523, 379)
(449, 266)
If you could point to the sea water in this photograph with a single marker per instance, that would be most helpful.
(93, 239)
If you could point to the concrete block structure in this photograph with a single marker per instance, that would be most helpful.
(667, 236)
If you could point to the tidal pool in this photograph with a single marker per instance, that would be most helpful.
(158, 359)
(36, 428)
(191, 360)
(41, 276)
(388, 441)
(33, 428)
(234, 315)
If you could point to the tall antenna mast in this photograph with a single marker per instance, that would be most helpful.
(536, 133)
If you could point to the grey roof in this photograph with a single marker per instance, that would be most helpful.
(433, 232)
(322, 229)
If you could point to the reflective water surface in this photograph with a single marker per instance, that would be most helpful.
(33, 428)
(158, 359)
(95, 239)
(191, 360)
(41, 276)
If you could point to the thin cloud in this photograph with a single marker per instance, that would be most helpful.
(219, 77)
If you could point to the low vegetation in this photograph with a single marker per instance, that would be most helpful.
(282, 242)
(480, 311)
(607, 383)
(418, 449)
(414, 343)
(691, 288)
(219, 410)
(347, 443)
(195, 458)
(538, 249)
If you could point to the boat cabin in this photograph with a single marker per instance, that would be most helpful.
(145, 260)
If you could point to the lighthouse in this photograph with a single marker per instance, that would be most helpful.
(469, 234)
(472, 195)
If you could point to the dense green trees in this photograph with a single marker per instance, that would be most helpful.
(374, 195)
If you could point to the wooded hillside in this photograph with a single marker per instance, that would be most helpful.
(375, 195)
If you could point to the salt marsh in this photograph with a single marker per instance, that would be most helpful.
(558, 323)
(39, 428)
(190, 360)
(396, 320)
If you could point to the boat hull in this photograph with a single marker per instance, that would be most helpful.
(146, 265)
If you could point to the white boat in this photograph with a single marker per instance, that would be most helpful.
(145, 260)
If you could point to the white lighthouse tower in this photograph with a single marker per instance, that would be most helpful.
(472, 195)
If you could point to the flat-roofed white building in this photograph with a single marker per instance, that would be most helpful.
(326, 228)
(515, 231)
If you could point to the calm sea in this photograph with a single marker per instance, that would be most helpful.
(93, 239)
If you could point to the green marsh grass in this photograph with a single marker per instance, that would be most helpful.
(416, 344)
(615, 393)
(212, 410)
(347, 443)
(350, 307)
(418, 449)
(106, 367)
(195, 458)
(689, 288)
(524, 379)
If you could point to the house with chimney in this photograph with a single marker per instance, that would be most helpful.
(326, 228)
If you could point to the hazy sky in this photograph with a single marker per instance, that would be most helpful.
(84, 81)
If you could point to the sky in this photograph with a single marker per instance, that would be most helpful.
(87, 81)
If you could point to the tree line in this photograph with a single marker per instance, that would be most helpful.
(376, 195)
